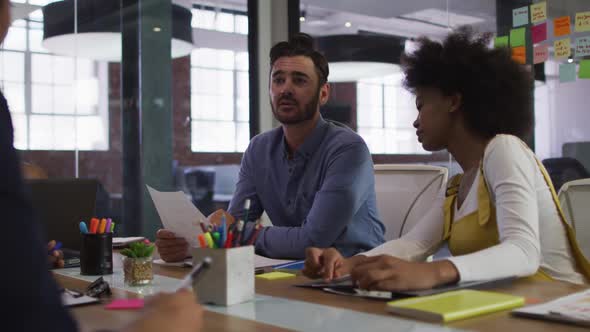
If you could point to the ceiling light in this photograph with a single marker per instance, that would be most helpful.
(99, 29)
(355, 57)
(442, 17)
(348, 24)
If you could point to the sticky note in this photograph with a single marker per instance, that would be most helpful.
(501, 41)
(561, 48)
(539, 33)
(584, 69)
(561, 26)
(538, 12)
(582, 22)
(519, 54)
(275, 275)
(582, 46)
(540, 53)
(517, 37)
(125, 304)
(520, 16)
(567, 72)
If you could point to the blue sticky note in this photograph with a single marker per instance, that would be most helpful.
(567, 72)
(520, 16)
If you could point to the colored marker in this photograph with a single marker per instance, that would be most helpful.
(216, 239)
(202, 241)
(102, 226)
(107, 229)
(83, 228)
(209, 240)
(94, 225)
(113, 227)
(223, 230)
(230, 239)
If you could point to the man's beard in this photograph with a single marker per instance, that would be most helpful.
(308, 113)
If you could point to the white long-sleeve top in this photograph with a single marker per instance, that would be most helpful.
(530, 231)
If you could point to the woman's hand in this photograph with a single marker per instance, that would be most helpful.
(328, 263)
(393, 274)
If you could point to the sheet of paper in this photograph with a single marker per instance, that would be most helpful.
(501, 41)
(186, 262)
(520, 16)
(178, 214)
(519, 54)
(582, 22)
(561, 48)
(567, 72)
(584, 69)
(539, 33)
(517, 37)
(70, 301)
(122, 241)
(538, 12)
(261, 261)
(561, 26)
(582, 47)
(540, 53)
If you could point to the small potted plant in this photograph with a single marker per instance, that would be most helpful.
(137, 263)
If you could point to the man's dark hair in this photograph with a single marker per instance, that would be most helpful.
(301, 44)
(496, 91)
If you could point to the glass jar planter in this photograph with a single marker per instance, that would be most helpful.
(138, 271)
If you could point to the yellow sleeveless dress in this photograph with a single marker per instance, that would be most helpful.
(479, 230)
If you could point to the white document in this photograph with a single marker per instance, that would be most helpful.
(186, 262)
(178, 214)
(261, 261)
(123, 241)
(71, 300)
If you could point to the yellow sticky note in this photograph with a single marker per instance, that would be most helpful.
(538, 12)
(582, 21)
(562, 48)
(275, 275)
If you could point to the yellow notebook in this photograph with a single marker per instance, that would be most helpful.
(454, 305)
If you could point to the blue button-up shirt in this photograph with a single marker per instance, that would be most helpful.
(324, 196)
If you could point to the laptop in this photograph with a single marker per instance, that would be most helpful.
(60, 205)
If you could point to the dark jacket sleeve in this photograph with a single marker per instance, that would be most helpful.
(29, 292)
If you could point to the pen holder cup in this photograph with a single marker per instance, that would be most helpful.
(230, 278)
(96, 254)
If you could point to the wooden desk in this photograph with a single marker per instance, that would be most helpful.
(94, 316)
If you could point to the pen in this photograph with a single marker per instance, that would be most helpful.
(195, 272)
(83, 228)
(203, 228)
(223, 230)
(246, 209)
(239, 233)
(57, 246)
(254, 234)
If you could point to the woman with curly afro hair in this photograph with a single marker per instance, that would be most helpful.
(500, 218)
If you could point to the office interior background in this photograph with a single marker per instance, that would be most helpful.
(168, 93)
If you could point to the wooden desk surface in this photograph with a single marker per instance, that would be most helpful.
(95, 316)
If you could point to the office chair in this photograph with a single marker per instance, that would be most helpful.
(200, 184)
(564, 169)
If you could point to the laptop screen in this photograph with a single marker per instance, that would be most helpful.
(60, 205)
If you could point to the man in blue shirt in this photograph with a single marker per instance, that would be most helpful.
(313, 178)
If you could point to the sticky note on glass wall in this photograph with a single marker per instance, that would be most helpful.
(501, 41)
(582, 47)
(567, 72)
(540, 53)
(561, 48)
(561, 26)
(584, 69)
(517, 37)
(519, 54)
(582, 22)
(520, 16)
(538, 12)
(539, 33)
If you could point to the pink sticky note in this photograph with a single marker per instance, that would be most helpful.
(125, 304)
(539, 32)
(540, 53)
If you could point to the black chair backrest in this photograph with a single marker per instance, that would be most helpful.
(200, 183)
(565, 169)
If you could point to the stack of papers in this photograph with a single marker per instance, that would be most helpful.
(574, 309)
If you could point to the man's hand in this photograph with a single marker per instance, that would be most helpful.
(170, 247)
(393, 274)
(177, 312)
(55, 258)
